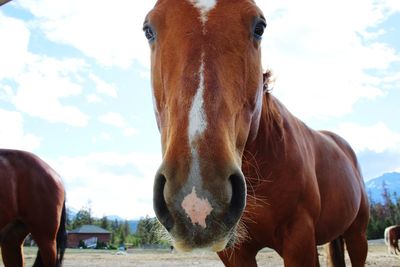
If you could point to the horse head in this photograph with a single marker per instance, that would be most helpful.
(207, 86)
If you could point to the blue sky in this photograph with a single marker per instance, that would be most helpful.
(75, 87)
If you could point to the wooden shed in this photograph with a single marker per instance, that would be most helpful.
(89, 234)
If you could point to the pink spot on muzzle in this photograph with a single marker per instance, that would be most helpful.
(197, 209)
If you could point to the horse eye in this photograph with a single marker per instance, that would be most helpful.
(259, 29)
(149, 33)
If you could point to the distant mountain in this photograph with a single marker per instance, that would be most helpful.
(375, 186)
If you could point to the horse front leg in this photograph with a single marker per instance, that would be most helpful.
(298, 244)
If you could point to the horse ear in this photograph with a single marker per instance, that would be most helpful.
(267, 81)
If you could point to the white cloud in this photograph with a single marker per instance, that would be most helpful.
(93, 98)
(109, 33)
(130, 131)
(102, 87)
(14, 46)
(12, 134)
(6, 92)
(113, 118)
(377, 137)
(397, 170)
(115, 183)
(117, 120)
(320, 53)
(103, 136)
(392, 81)
(40, 82)
(42, 86)
(393, 5)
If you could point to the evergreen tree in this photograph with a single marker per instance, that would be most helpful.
(83, 217)
(383, 214)
(104, 223)
(115, 225)
(126, 228)
(122, 237)
(148, 230)
(68, 222)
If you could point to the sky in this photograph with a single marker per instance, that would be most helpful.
(75, 88)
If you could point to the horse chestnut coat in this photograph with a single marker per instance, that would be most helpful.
(236, 163)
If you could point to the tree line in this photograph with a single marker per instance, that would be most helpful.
(383, 214)
(149, 231)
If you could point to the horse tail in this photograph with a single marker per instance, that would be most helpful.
(336, 252)
(62, 236)
(386, 236)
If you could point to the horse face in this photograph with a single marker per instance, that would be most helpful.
(207, 88)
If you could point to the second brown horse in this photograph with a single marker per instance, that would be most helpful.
(32, 200)
(392, 236)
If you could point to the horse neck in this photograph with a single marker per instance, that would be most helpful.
(273, 124)
(269, 146)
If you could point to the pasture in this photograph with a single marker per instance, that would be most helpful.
(377, 256)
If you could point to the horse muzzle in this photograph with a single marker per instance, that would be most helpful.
(199, 218)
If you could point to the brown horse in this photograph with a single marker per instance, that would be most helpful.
(2, 2)
(31, 201)
(236, 162)
(392, 236)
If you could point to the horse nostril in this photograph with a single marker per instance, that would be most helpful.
(159, 204)
(238, 199)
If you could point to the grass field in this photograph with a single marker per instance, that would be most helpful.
(377, 256)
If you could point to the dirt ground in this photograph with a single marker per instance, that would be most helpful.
(377, 256)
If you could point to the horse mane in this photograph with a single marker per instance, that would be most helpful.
(268, 79)
(272, 113)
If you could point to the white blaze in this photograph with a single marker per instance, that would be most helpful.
(197, 117)
(196, 208)
(197, 126)
(204, 6)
